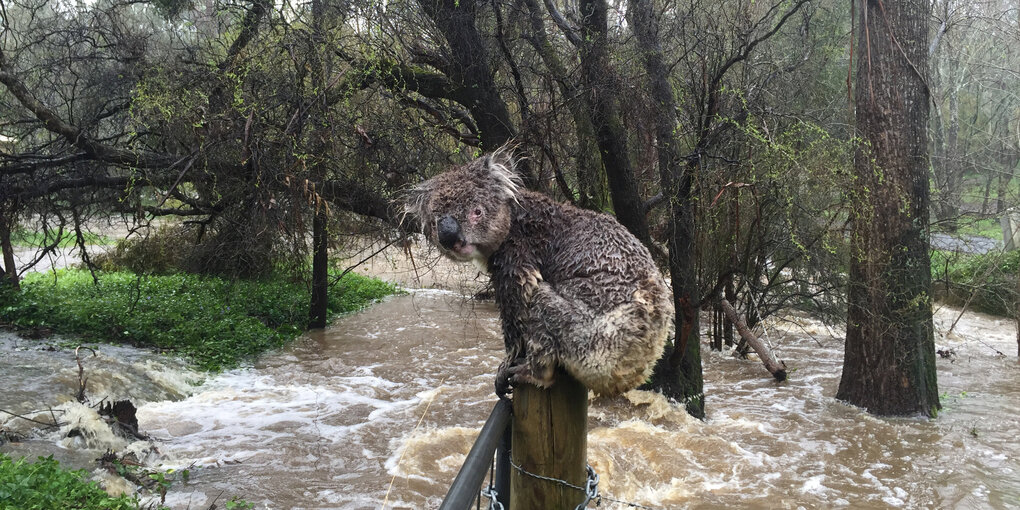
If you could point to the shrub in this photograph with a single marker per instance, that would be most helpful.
(161, 252)
(991, 278)
(43, 484)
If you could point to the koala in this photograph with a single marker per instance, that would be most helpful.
(574, 288)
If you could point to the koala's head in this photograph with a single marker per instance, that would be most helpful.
(466, 211)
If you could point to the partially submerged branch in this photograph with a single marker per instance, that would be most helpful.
(82, 380)
(775, 367)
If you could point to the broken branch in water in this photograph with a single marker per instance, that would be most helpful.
(55, 423)
(775, 367)
(82, 380)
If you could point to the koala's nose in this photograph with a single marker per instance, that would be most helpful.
(448, 231)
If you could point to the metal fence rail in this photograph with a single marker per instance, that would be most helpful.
(494, 437)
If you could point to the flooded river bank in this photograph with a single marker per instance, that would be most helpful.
(396, 394)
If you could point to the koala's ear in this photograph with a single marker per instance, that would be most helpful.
(416, 202)
(501, 168)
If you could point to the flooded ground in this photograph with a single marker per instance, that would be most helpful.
(380, 409)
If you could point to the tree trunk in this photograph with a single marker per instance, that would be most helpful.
(591, 192)
(318, 311)
(717, 327)
(889, 365)
(947, 209)
(680, 377)
(318, 147)
(9, 276)
(610, 132)
(471, 66)
(1002, 193)
(730, 294)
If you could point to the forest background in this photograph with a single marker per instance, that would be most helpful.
(273, 133)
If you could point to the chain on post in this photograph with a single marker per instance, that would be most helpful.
(490, 492)
(590, 490)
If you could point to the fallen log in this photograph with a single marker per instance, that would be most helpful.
(775, 367)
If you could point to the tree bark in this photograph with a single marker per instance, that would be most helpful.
(9, 276)
(889, 365)
(611, 134)
(681, 375)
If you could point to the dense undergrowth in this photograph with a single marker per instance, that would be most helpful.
(214, 321)
(988, 282)
(43, 484)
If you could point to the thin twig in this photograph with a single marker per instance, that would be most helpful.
(366, 259)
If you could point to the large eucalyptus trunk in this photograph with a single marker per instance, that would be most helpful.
(889, 366)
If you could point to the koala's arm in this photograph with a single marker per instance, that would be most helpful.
(535, 318)
(543, 319)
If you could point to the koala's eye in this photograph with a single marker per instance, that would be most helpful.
(477, 212)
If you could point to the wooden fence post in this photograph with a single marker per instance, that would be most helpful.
(550, 438)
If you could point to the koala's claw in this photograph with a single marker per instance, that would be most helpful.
(504, 386)
(513, 373)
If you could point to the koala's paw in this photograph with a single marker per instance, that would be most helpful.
(525, 373)
(503, 378)
(503, 387)
(516, 372)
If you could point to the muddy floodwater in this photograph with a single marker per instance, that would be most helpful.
(380, 409)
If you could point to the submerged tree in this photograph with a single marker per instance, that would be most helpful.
(889, 365)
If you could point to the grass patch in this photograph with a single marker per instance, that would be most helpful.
(29, 238)
(989, 227)
(44, 484)
(991, 278)
(216, 322)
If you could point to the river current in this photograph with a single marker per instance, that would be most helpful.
(380, 409)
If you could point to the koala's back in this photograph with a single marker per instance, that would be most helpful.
(588, 251)
(604, 304)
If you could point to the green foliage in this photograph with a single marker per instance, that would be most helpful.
(238, 504)
(991, 278)
(216, 322)
(43, 485)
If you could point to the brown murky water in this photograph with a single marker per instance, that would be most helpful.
(380, 410)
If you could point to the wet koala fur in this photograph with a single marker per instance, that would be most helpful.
(574, 287)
